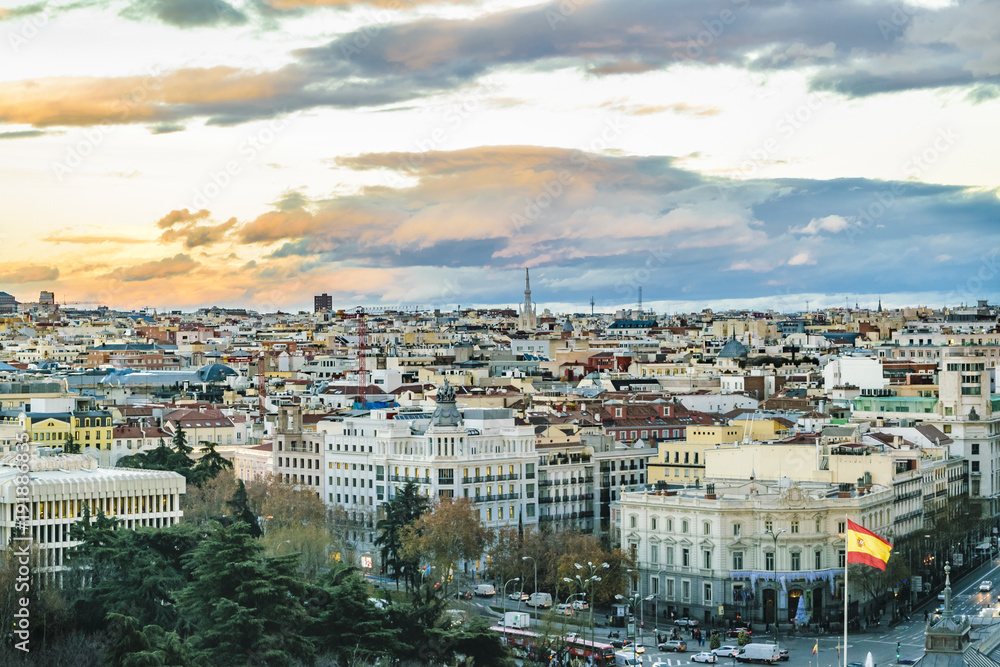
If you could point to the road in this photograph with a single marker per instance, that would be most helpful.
(881, 641)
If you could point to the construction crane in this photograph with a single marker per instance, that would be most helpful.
(261, 387)
(362, 354)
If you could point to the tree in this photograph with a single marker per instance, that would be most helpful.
(400, 511)
(244, 609)
(70, 445)
(715, 641)
(345, 622)
(210, 464)
(448, 533)
(505, 558)
(292, 520)
(180, 442)
(239, 505)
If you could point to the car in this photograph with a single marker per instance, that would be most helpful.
(676, 645)
(704, 656)
(685, 622)
(581, 605)
(640, 648)
(617, 643)
(734, 633)
(464, 595)
(783, 654)
(520, 596)
(986, 586)
(564, 609)
(726, 651)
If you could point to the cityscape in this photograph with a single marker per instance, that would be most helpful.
(499, 333)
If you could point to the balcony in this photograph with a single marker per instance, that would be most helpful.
(545, 501)
(402, 478)
(466, 480)
(545, 482)
(587, 514)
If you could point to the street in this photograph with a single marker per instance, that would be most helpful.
(880, 641)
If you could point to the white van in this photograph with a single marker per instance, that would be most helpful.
(517, 619)
(626, 659)
(540, 600)
(485, 590)
(759, 653)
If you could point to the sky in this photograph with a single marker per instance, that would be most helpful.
(418, 153)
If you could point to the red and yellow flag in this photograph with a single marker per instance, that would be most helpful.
(864, 546)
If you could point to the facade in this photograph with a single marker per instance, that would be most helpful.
(750, 547)
(60, 486)
(322, 303)
(8, 304)
(566, 487)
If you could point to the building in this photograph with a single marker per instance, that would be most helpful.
(752, 548)
(322, 303)
(46, 298)
(8, 304)
(62, 484)
(527, 319)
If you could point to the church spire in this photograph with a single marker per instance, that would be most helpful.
(527, 286)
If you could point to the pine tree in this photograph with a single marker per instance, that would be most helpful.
(70, 445)
(179, 441)
(211, 462)
(244, 609)
(400, 511)
(240, 505)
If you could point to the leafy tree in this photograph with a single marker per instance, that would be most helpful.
(400, 511)
(180, 442)
(743, 638)
(292, 520)
(345, 622)
(505, 558)
(448, 533)
(70, 445)
(151, 646)
(715, 641)
(209, 502)
(244, 609)
(211, 462)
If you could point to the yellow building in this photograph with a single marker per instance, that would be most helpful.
(89, 429)
(681, 462)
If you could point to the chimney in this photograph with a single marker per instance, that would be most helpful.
(710, 492)
(844, 490)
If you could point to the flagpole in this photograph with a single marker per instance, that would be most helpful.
(845, 589)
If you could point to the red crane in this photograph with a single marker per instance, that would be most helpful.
(362, 353)
(261, 386)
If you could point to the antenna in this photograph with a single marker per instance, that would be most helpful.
(640, 300)
(591, 305)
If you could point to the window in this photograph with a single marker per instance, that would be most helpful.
(841, 527)
(708, 593)
(768, 526)
(736, 529)
(795, 526)
(686, 590)
(819, 525)
(654, 554)
(975, 448)
(631, 521)
(975, 466)
(796, 561)
(841, 558)
(706, 528)
(706, 559)
(684, 526)
(669, 553)
(670, 588)
(818, 560)
(652, 523)
(769, 561)
(685, 557)
(654, 584)
(489, 513)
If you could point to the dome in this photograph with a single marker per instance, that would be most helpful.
(733, 349)
(215, 373)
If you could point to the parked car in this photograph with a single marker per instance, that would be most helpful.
(704, 656)
(685, 622)
(986, 586)
(726, 651)
(733, 633)
(464, 595)
(564, 609)
(783, 654)
(520, 596)
(676, 645)
(581, 605)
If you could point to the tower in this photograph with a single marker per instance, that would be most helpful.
(526, 318)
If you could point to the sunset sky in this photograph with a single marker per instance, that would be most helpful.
(184, 153)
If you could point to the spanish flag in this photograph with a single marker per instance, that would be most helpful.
(816, 647)
(864, 546)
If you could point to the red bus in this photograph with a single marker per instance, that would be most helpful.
(526, 642)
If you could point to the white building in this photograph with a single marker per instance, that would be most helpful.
(860, 372)
(61, 484)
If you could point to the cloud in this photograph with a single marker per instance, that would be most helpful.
(831, 223)
(177, 265)
(27, 274)
(801, 259)
(186, 13)
(194, 236)
(90, 239)
(22, 134)
(181, 216)
(167, 128)
(943, 258)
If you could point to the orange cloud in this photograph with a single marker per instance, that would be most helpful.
(85, 239)
(135, 99)
(181, 215)
(28, 274)
(198, 235)
(168, 267)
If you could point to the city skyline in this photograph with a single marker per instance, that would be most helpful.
(718, 154)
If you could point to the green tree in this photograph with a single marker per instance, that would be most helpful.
(179, 441)
(345, 622)
(448, 533)
(70, 445)
(715, 641)
(400, 511)
(239, 506)
(244, 609)
(211, 461)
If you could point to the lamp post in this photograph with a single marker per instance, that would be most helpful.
(774, 536)
(586, 585)
(632, 603)
(504, 607)
(655, 599)
(535, 589)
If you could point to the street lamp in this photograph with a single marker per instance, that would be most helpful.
(535, 589)
(774, 536)
(586, 584)
(632, 603)
(504, 603)
(655, 599)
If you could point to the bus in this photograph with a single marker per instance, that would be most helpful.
(525, 643)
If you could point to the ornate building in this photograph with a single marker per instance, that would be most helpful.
(527, 320)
